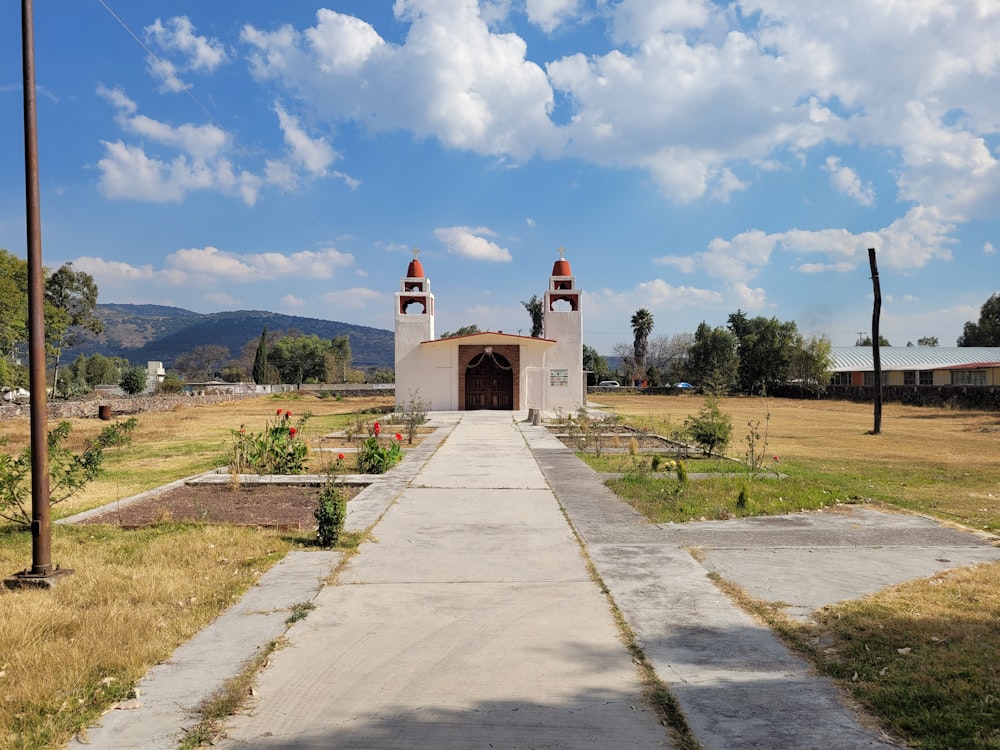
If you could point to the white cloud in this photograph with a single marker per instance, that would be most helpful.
(290, 300)
(549, 14)
(177, 37)
(222, 299)
(313, 154)
(453, 79)
(721, 93)
(988, 249)
(207, 264)
(683, 263)
(197, 157)
(846, 181)
(824, 267)
(471, 242)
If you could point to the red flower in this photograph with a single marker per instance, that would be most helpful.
(398, 437)
(775, 458)
(340, 456)
(292, 431)
(378, 429)
(288, 415)
(278, 412)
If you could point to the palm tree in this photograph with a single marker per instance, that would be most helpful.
(642, 326)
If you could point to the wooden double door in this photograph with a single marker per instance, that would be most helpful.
(489, 383)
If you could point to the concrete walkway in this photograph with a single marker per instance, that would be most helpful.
(469, 620)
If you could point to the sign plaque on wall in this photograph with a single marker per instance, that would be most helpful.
(558, 378)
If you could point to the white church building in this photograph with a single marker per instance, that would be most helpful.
(491, 370)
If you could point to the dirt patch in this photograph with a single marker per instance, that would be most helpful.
(273, 506)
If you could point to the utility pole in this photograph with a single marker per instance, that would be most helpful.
(41, 574)
(876, 355)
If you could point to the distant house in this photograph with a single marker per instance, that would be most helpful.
(917, 365)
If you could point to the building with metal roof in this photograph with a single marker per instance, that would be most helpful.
(917, 365)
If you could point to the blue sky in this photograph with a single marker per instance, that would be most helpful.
(692, 157)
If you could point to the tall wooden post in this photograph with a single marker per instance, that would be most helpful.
(876, 355)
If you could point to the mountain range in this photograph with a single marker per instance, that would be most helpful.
(143, 333)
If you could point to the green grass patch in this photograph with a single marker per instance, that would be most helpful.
(622, 463)
(668, 499)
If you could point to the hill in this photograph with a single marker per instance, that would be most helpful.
(141, 333)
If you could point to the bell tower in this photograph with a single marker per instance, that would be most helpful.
(563, 323)
(414, 319)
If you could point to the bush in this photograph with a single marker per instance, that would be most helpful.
(171, 384)
(376, 458)
(710, 429)
(330, 515)
(279, 449)
(68, 472)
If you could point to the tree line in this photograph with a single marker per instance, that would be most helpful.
(750, 355)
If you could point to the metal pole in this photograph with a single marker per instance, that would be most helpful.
(41, 551)
(41, 573)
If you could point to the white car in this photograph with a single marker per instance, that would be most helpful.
(608, 385)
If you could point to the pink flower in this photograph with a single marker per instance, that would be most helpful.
(398, 437)
(340, 456)
(378, 429)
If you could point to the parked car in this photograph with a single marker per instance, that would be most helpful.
(608, 385)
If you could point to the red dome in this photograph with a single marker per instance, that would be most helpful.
(561, 268)
(415, 270)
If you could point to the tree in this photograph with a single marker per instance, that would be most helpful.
(595, 365)
(810, 364)
(13, 304)
(340, 358)
(203, 362)
(765, 349)
(711, 428)
(642, 326)
(70, 299)
(927, 341)
(666, 358)
(302, 359)
(987, 331)
(867, 341)
(536, 310)
(133, 380)
(712, 360)
(259, 372)
(463, 331)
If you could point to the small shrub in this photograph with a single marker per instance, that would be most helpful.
(741, 500)
(376, 458)
(682, 473)
(414, 415)
(710, 429)
(68, 472)
(279, 449)
(331, 515)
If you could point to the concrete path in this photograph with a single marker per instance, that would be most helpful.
(470, 620)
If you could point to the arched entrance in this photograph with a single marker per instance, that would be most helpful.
(489, 382)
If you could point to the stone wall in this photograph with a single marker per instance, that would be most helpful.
(119, 406)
